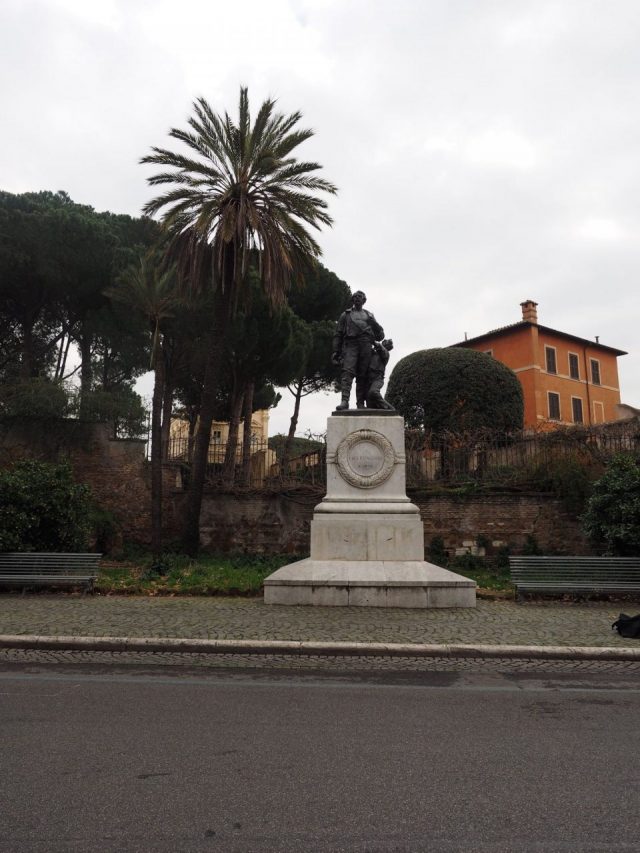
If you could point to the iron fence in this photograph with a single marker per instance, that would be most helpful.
(226, 465)
(521, 459)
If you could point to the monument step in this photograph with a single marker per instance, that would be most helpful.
(368, 583)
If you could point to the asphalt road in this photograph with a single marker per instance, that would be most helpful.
(152, 759)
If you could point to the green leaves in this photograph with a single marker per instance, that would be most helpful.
(42, 509)
(456, 390)
(612, 518)
(241, 188)
(151, 289)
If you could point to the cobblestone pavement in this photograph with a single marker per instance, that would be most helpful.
(491, 622)
(328, 664)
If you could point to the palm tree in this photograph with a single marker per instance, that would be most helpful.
(237, 190)
(151, 289)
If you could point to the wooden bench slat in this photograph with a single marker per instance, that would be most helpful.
(27, 568)
(575, 574)
(46, 578)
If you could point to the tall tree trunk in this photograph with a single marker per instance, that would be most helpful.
(105, 368)
(230, 453)
(86, 368)
(156, 455)
(215, 351)
(63, 365)
(246, 434)
(193, 420)
(27, 360)
(286, 452)
(58, 373)
(167, 399)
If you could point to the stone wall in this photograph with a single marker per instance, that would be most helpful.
(272, 524)
(482, 524)
(257, 523)
(115, 469)
(262, 523)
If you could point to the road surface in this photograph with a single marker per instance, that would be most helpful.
(135, 758)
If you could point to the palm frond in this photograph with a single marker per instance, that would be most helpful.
(240, 190)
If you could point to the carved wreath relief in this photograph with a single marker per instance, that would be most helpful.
(365, 458)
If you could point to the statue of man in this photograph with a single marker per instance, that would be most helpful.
(377, 367)
(356, 332)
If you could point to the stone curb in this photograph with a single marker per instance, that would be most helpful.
(333, 649)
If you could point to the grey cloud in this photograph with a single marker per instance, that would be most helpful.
(478, 147)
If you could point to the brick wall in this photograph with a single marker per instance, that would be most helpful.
(500, 520)
(257, 523)
(272, 524)
(116, 470)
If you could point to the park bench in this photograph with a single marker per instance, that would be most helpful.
(29, 569)
(578, 575)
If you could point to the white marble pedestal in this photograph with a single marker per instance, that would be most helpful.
(367, 538)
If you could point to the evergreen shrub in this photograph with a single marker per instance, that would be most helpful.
(456, 390)
(42, 509)
(612, 517)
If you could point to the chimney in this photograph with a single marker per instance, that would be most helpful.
(529, 312)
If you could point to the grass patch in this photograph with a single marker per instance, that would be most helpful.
(488, 574)
(177, 574)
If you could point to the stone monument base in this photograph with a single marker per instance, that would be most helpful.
(367, 538)
(368, 583)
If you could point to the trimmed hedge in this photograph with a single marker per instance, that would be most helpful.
(456, 390)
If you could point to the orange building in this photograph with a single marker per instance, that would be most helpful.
(565, 379)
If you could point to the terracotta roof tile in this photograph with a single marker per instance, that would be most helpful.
(502, 330)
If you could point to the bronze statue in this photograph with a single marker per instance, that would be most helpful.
(356, 332)
(377, 367)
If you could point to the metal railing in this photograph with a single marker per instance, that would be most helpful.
(516, 459)
(225, 467)
(522, 458)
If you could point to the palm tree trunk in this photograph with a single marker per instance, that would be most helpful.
(286, 452)
(156, 455)
(215, 345)
(246, 434)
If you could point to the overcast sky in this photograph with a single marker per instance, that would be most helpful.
(486, 151)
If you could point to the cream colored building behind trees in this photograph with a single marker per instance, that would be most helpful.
(262, 458)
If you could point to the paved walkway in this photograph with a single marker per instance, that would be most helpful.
(491, 622)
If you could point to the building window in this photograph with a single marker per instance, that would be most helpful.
(574, 366)
(216, 436)
(550, 358)
(554, 406)
(576, 410)
(489, 352)
(598, 412)
(595, 371)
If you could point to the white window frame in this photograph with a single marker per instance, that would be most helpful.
(600, 408)
(573, 415)
(593, 361)
(549, 395)
(577, 358)
(488, 352)
(547, 349)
